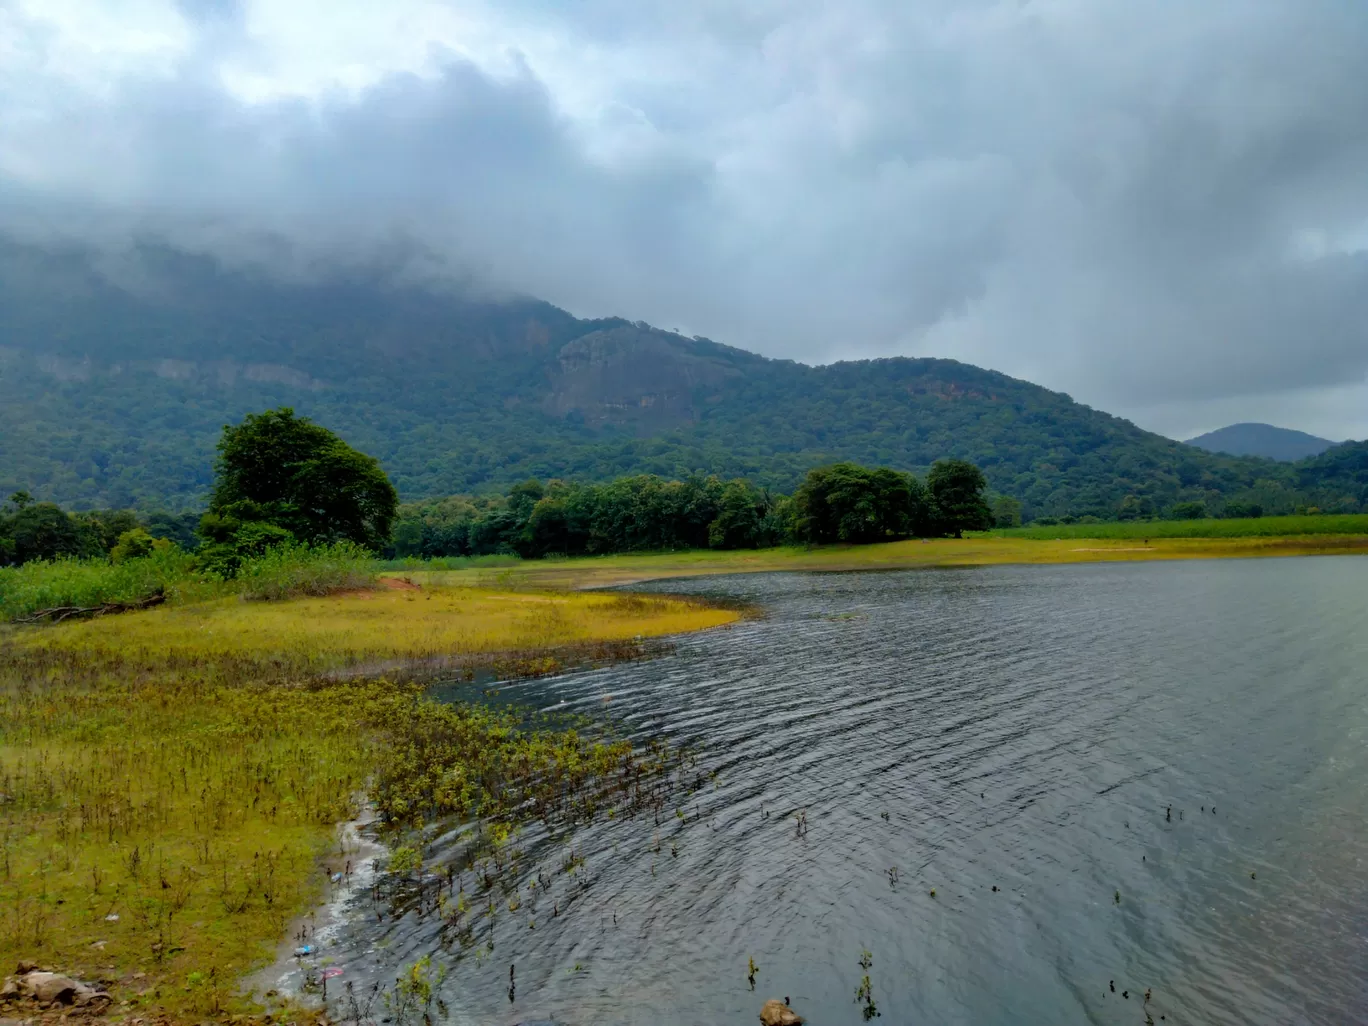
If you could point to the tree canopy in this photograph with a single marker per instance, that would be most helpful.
(850, 503)
(957, 492)
(280, 477)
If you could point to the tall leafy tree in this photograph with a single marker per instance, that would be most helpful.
(279, 476)
(957, 492)
(850, 503)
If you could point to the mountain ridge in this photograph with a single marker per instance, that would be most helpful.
(1266, 440)
(114, 397)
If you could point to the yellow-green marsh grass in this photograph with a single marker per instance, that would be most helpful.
(973, 550)
(383, 626)
(169, 778)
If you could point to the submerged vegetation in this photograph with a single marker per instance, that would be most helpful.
(169, 778)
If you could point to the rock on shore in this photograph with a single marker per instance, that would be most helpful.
(46, 989)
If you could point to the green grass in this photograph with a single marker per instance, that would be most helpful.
(294, 570)
(286, 571)
(44, 584)
(449, 562)
(1259, 527)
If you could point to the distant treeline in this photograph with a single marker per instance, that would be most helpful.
(281, 480)
(42, 530)
(841, 503)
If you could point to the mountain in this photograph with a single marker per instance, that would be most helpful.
(116, 379)
(1264, 440)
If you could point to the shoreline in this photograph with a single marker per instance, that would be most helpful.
(625, 570)
(286, 980)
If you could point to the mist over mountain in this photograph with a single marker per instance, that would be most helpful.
(116, 378)
(1265, 440)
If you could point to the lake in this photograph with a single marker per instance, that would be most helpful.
(1162, 768)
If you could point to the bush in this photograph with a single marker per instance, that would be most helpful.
(295, 569)
(134, 544)
(1188, 511)
(1242, 511)
(46, 584)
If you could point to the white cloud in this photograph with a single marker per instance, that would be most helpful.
(1157, 209)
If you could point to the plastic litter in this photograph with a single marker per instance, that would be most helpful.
(113, 917)
(329, 973)
(336, 877)
(305, 949)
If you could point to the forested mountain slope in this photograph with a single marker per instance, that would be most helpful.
(114, 384)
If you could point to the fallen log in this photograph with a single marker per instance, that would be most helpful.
(59, 613)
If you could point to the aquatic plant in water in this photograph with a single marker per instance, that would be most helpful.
(168, 779)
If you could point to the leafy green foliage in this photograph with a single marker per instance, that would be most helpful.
(630, 514)
(1338, 476)
(286, 571)
(42, 530)
(133, 544)
(45, 584)
(294, 569)
(39, 531)
(850, 503)
(840, 503)
(280, 477)
(1187, 511)
(956, 488)
(1006, 511)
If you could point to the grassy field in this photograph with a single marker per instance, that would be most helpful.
(169, 778)
(975, 550)
(1344, 525)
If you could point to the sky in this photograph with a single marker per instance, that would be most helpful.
(1160, 208)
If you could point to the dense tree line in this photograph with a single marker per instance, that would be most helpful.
(841, 503)
(280, 478)
(43, 530)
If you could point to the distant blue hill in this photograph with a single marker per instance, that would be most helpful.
(1265, 440)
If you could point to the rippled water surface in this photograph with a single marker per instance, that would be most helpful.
(1024, 728)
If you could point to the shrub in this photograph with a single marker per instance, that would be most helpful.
(134, 544)
(1188, 511)
(45, 584)
(296, 569)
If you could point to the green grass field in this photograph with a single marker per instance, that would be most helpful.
(1261, 527)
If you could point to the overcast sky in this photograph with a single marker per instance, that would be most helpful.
(1159, 207)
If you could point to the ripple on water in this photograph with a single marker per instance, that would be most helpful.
(1022, 728)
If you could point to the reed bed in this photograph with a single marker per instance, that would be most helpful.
(169, 778)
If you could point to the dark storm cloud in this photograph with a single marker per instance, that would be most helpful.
(1142, 204)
